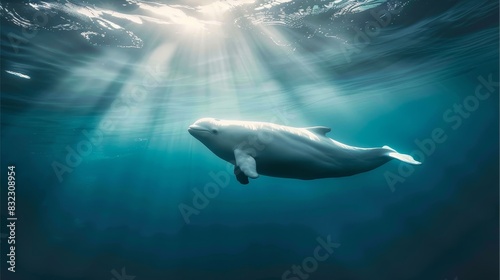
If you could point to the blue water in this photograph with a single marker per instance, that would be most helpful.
(97, 97)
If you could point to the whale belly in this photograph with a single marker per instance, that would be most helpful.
(293, 169)
(292, 157)
(303, 159)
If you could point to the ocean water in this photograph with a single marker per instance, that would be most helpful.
(96, 98)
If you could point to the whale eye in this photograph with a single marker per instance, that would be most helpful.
(214, 131)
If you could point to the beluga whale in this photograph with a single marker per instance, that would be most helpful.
(261, 148)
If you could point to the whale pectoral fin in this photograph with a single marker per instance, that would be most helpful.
(246, 163)
(321, 130)
(240, 176)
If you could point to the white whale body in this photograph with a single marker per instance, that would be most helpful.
(260, 148)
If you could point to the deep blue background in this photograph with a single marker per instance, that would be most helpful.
(119, 208)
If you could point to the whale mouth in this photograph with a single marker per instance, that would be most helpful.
(197, 128)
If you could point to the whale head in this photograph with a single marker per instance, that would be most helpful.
(220, 136)
(205, 129)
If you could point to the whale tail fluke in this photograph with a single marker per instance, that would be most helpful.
(402, 157)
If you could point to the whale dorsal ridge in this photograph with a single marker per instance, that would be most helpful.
(322, 130)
